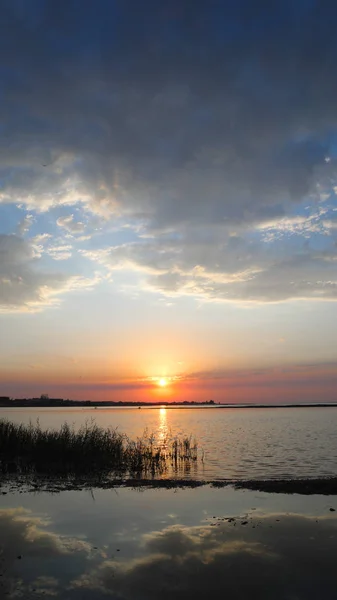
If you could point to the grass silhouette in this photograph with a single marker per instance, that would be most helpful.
(90, 450)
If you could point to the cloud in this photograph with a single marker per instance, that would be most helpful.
(25, 225)
(303, 374)
(61, 252)
(23, 286)
(40, 239)
(234, 270)
(68, 223)
(330, 224)
(297, 225)
(208, 126)
(183, 122)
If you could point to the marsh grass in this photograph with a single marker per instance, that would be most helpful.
(88, 451)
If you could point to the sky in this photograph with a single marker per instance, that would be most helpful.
(168, 208)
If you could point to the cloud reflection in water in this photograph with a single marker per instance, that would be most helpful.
(283, 557)
(277, 556)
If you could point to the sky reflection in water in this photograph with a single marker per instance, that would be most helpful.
(159, 543)
(233, 443)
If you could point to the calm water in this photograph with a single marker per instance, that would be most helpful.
(123, 544)
(235, 443)
(126, 545)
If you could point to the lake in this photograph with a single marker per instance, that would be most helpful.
(182, 543)
(234, 443)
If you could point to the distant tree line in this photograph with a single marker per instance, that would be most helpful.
(44, 400)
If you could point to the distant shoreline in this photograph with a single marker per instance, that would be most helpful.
(59, 403)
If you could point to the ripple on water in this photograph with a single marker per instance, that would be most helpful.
(234, 443)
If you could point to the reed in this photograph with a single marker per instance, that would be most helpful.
(90, 450)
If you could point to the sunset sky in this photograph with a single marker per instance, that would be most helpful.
(168, 207)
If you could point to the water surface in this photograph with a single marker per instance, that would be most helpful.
(234, 443)
(128, 545)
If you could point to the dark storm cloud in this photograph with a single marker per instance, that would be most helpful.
(174, 114)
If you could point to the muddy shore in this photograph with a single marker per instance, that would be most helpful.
(323, 486)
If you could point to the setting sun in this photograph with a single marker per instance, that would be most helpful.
(162, 382)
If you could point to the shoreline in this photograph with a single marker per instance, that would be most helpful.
(90, 404)
(306, 487)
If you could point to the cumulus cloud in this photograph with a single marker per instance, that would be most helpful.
(40, 239)
(70, 225)
(25, 225)
(60, 252)
(23, 286)
(185, 118)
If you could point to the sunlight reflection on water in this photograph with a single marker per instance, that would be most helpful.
(235, 443)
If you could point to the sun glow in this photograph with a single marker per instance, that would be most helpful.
(162, 382)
